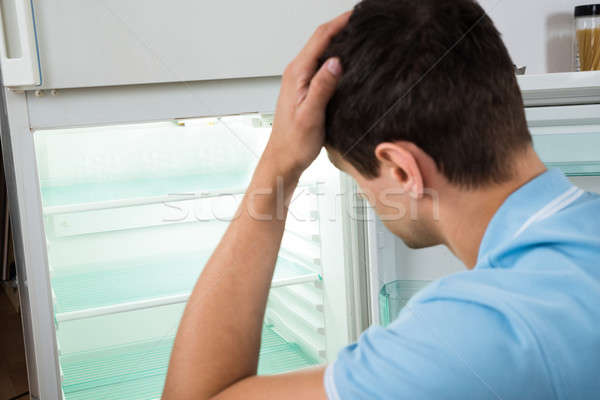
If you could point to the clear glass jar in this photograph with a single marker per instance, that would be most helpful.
(587, 32)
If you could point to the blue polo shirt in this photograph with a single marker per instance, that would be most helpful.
(523, 324)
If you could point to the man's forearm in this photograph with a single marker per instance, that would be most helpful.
(218, 340)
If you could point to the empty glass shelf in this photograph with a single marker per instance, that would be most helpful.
(590, 168)
(142, 188)
(138, 389)
(137, 371)
(394, 296)
(99, 285)
(89, 370)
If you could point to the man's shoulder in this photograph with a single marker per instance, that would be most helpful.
(467, 342)
(587, 202)
(568, 240)
(538, 313)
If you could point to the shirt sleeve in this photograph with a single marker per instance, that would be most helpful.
(438, 350)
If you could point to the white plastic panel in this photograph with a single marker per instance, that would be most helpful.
(340, 314)
(426, 264)
(30, 247)
(143, 103)
(121, 42)
(560, 88)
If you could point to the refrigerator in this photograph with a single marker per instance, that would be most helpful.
(129, 134)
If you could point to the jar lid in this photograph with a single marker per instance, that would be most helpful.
(587, 11)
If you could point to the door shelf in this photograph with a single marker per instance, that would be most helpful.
(92, 290)
(137, 371)
(394, 296)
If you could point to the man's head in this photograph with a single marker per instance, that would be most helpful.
(428, 100)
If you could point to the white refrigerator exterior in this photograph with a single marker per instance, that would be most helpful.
(124, 42)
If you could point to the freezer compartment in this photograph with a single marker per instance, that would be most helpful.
(120, 43)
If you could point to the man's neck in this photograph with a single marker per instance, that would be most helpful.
(465, 215)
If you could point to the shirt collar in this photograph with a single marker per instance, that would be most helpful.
(519, 207)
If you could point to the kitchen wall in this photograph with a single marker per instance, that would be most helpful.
(538, 33)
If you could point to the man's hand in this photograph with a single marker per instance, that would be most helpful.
(298, 129)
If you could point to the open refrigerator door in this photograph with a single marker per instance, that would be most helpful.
(397, 272)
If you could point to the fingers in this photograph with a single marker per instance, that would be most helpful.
(322, 86)
(319, 41)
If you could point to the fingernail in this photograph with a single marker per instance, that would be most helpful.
(334, 66)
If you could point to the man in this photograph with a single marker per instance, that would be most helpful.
(424, 108)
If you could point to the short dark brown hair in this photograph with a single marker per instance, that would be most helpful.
(432, 72)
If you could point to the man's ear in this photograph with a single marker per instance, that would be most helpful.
(401, 165)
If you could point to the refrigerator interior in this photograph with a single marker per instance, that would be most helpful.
(132, 213)
(562, 138)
